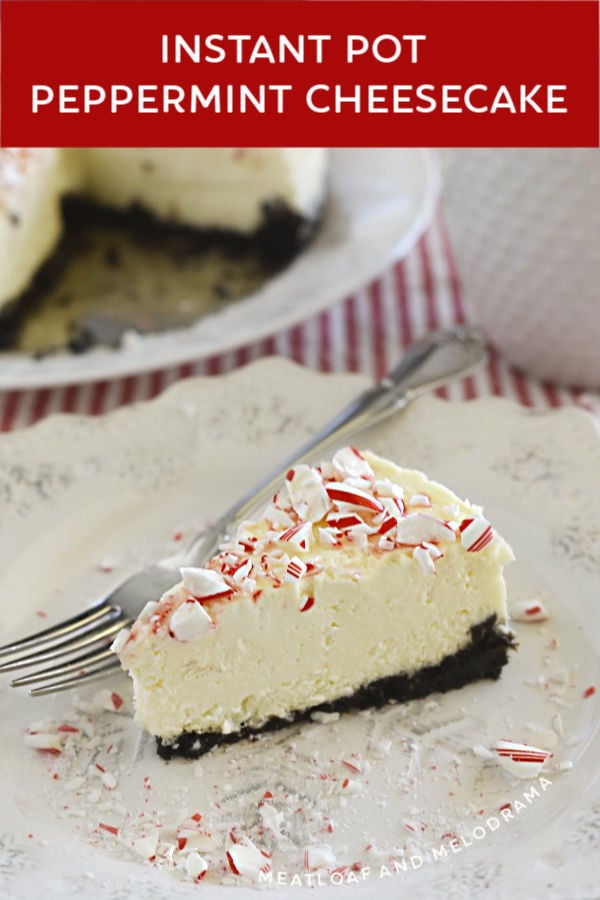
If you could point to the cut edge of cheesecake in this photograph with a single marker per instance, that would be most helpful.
(361, 584)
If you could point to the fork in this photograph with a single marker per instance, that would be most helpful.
(436, 359)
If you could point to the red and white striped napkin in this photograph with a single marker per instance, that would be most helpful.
(365, 332)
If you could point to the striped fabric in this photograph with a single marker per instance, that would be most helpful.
(363, 333)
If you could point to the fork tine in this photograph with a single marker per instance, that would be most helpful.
(74, 665)
(57, 686)
(68, 646)
(87, 617)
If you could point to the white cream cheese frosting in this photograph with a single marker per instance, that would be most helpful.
(224, 188)
(357, 570)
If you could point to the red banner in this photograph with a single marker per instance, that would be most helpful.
(299, 73)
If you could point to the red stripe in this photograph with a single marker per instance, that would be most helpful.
(324, 343)
(214, 365)
(469, 389)
(521, 387)
(185, 371)
(70, 397)
(551, 395)
(402, 304)
(494, 374)
(98, 397)
(352, 362)
(269, 346)
(378, 328)
(41, 398)
(431, 316)
(242, 356)
(297, 343)
(442, 392)
(454, 280)
(11, 404)
(127, 390)
(157, 383)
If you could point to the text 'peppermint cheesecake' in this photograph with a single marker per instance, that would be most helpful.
(361, 583)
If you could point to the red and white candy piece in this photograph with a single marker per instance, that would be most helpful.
(204, 584)
(350, 463)
(150, 609)
(299, 535)
(319, 856)
(385, 488)
(394, 506)
(245, 858)
(307, 493)
(417, 528)
(475, 534)
(343, 521)
(295, 570)
(420, 500)
(521, 760)
(425, 560)
(528, 611)
(189, 622)
(196, 866)
(327, 537)
(348, 495)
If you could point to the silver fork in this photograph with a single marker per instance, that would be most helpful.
(438, 358)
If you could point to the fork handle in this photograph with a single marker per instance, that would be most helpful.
(439, 357)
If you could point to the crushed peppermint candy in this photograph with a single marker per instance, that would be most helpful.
(189, 622)
(521, 760)
(350, 463)
(245, 858)
(203, 583)
(475, 534)
(307, 493)
(528, 611)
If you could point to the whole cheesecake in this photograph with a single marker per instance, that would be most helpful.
(272, 196)
(361, 583)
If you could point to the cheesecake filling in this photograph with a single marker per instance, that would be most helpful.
(228, 189)
(356, 572)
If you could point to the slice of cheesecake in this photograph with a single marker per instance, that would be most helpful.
(360, 583)
(271, 197)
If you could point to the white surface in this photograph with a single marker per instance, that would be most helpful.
(525, 229)
(80, 493)
(380, 201)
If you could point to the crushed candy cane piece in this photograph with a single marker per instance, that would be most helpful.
(528, 611)
(307, 493)
(521, 760)
(150, 609)
(196, 866)
(145, 846)
(589, 692)
(295, 570)
(416, 528)
(299, 535)
(203, 583)
(319, 856)
(475, 534)
(189, 622)
(350, 463)
(245, 858)
(420, 500)
(45, 742)
(348, 495)
(386, 488)
(423, 557)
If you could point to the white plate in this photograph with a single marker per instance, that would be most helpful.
(380, 201)
(78, 494)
